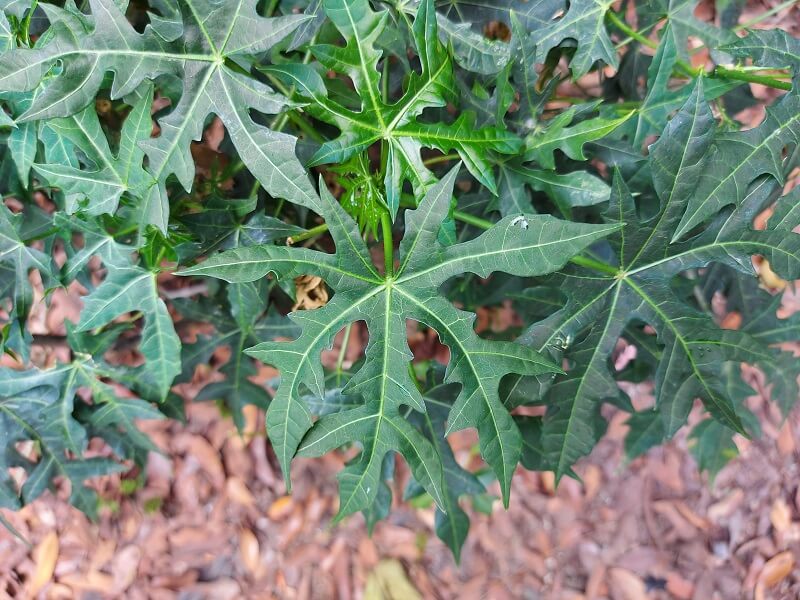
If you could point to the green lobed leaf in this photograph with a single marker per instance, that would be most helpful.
(202, 56)
(691, 346)
(39, 406)
(523, 245)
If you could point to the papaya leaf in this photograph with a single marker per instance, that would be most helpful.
(524, 245)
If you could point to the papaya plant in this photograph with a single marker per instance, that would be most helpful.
(419, 162)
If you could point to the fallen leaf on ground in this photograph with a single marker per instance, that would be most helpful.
(310, 292)
(626, 585)
(249, 551)
(777, 568)
(388, 581)
(44, 557)
(280, 508)
(780, 516)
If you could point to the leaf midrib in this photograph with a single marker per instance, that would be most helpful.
(778, 131)
(563, 466)
(380, 414)
(483, 392)
(364, 68)
(477, 256)
(721, 406)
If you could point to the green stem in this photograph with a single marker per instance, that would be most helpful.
(591, 263)
(467, 218)
(739, 75)
(301, 123)
(310, 233)
(385, 80)
(440, 159)
(254, 188)
(305, 127)
(692, 72)
(271, 8)
(342, 353)
(413, 375)
(630, 31)
(126, 230)
(472, 220)
(159, 257)
(388, 244)
(645, 41)
(629, 39)
(26, 24)
(279, 122)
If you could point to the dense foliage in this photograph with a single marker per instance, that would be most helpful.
(402, 153)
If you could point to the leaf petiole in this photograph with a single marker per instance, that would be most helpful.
(388, 244)
(718, 72)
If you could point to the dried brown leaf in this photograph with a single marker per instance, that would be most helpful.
(310, 292)
(388, 581)
(250, 551)
(626, 585)
(44, 557)
(280, 508)
(780, 515)
(777, 568)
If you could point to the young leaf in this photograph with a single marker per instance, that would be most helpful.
(396, 123)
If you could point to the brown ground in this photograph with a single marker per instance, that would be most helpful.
(212, 521)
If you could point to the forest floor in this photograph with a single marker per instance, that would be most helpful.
(210, 518)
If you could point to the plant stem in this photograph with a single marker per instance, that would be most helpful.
(342, 353)
(484, 224)
(629, 39)
(388, 244)
(630, 31)
(633, 34)
(690, 71)
(279, 122)
(308, 234)
(254, 190)
(413, 375)
(305, 127)
(271, 8)
(301, 123)
(440, 159)
(739, 75)
(26, 24)
(472, 219)
(591, 263)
